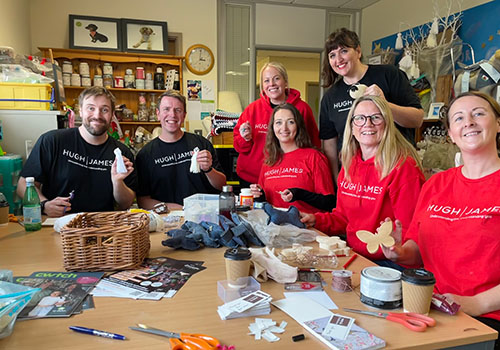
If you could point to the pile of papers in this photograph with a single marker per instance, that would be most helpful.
(159, 277)
(253, 304)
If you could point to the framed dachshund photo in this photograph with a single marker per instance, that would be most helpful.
(95, 33)
(145, 36)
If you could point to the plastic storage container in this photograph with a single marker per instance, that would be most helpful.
(202, 207)
(25, 96)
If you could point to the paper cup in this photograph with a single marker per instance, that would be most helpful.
(418, 285)
(237, 265)
(4, 215)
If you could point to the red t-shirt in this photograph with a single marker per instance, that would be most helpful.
(457, 227)
(258, 114)
(304, 168)
(365, 201)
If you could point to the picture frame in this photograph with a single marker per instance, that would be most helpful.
(58, 85)
(434, 109)
(144, 36)
(95, 33)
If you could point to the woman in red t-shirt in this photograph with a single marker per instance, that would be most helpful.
(455, 229)
(293, 173)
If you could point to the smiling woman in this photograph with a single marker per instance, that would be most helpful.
(250, 131)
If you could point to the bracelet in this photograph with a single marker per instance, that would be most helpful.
(207, 171)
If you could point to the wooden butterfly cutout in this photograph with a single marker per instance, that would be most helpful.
(375, 240)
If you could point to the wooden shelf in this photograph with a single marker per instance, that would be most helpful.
(121, 61)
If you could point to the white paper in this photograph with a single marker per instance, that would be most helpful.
(338, 327)
(49, 222)
(208, 89)
(320, 297)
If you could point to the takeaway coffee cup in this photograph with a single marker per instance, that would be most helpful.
(418, 285)
(237, 265)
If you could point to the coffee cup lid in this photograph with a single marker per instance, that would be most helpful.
(238, 254)
(418, 276)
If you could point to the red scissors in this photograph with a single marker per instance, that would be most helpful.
(413, 321)
(183, 341)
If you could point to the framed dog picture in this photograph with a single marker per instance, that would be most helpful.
(145, 36)
(95, 33)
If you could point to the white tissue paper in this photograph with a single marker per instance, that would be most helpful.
(120, 164)
(195, 167)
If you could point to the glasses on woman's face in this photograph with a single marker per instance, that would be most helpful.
(360, 120)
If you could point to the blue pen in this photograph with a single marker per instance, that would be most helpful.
(97, 333)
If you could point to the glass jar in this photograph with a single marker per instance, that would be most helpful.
(67, 67)
(107, 68)
(142, 111)
(129, 79)
(139, 73)
(119, 82)
(139, 84)
(159, 79)
(84, 69)
(98, 80)
(75, 79)
(86, 82)
(152, 108)
(227, 202)
(66, 79)
(107, 81)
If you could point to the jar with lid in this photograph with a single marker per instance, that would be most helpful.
(159, 80)
(139, 84)
(142, 111)
(75, 80)
(66, 79)
(118, 82)
(98, 80)
(139, 73)
(107, 68)
(86, 82)
(84, 69)
(177, 84)
(107, 81)
(152, 108)
(246, 197)
(67, 67)
(149, 84)
(227, 202)
(129, 79)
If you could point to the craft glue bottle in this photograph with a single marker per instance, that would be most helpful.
(32, 211)
(227, 202)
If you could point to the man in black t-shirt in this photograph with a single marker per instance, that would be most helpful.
(81, 160)
(164, 163)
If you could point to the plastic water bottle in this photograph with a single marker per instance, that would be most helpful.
(32, 211)
(227, 202)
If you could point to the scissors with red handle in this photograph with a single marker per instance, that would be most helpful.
(183, 341)
(413, 321)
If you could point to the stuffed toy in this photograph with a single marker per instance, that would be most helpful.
(280, 217)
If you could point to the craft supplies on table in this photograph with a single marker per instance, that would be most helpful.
(253, 304)
(413, 321)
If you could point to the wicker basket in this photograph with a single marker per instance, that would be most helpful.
(105, 241)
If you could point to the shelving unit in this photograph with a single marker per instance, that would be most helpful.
(120, 62)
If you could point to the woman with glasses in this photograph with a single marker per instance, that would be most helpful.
(293, 172)
(348, 78)
(380, 178)
(455, 229)
(251, 129)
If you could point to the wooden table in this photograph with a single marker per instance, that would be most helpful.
(193, 308)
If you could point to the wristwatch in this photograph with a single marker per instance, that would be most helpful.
(42, 205)
(207, 171)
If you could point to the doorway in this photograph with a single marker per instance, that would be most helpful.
(303, 70)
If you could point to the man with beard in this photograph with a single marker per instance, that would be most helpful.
(81, 161)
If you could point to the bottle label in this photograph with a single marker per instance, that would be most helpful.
(32, 214)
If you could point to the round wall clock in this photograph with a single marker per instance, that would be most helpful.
(199, 59)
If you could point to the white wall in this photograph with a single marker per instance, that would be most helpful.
(385, 17)
(195, 19)
(15, 25)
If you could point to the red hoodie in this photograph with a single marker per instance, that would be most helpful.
(258, 114)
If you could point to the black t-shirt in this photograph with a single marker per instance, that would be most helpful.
(337, 102)
(62, 161)
(164, 169)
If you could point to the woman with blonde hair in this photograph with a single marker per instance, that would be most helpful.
(380, 178)
(251, 129)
